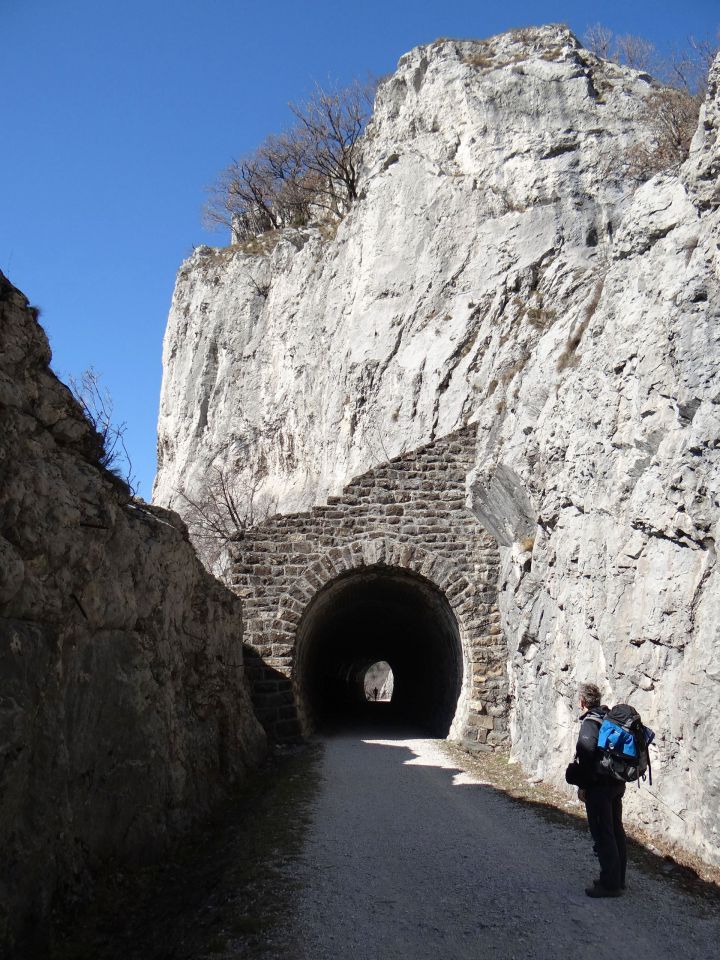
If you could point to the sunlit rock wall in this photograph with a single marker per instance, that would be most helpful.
(601, 480)
(503, 269)
(491, 187)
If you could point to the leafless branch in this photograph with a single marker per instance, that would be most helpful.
(375, 434)
(599, 40)
(228, 504)
(309, 171)
(97, 405)
(685, 67)
(670, 113)
(636, 52)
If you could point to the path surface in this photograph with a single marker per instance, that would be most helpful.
(408, 857)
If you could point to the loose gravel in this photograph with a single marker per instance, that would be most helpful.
(408, 856)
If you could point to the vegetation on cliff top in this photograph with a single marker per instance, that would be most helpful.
(308, 172)
(671, 111)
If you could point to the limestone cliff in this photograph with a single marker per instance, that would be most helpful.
(607, 456)
(492, 182)
(123, 707)
(502, 268)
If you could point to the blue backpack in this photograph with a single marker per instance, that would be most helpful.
(623, 744)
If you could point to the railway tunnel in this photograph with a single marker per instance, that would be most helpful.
(396, 568)
(382, 614)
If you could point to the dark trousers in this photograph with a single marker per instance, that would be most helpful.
(603, 802)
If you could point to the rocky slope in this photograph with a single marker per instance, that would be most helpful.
(503, 268)
(123, 707)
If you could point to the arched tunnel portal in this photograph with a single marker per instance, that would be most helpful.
(373, 614)
(396, 568)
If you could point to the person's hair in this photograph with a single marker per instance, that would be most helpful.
(590, 694)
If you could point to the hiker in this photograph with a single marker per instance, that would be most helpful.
(602, 796)
(375, 693)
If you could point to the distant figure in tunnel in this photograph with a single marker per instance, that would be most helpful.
(602, 796)
(375, 693)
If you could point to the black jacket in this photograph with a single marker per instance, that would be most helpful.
(587, 742)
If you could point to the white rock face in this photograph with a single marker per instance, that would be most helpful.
(500, 268)
(617, 458)
(486, 164)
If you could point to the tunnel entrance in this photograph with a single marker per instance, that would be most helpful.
(371, 615)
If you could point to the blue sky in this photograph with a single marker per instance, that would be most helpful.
(116, 116)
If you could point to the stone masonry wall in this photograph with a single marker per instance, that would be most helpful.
(408, 514)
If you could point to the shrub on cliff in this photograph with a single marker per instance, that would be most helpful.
(97, 406)
(228, 502)
(309, 171)
(671, 111)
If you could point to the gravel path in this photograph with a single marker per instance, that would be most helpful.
(409, 857)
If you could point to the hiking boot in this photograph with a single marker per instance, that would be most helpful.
(598, 890)
(597, 882)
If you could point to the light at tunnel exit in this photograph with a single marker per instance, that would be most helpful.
(379, 682)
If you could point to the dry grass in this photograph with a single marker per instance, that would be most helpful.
(261, 245)
(481, 61)
(514, 369)
(539, 318)
(525, 35)
(553, 55)
(329, 229)
(568, 357)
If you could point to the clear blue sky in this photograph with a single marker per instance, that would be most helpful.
(116, 116)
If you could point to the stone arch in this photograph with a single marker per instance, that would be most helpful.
(408, 514)
(384, 554)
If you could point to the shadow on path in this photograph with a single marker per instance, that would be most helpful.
(375, 844)
(409, 856)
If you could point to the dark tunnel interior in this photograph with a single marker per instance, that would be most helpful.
(379, 613)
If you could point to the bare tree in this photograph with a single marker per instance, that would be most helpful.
(330, 123)
(687, 68)
(243, 197)
(376, 435)
(636, 52)
(310, 170)
(599, 40)
(228, 504)
(684, 67)
(672, 117)
(97, 406)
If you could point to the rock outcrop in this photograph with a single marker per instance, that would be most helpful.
(611, 441)
(502, 268)
(492, 183)
(123, 707)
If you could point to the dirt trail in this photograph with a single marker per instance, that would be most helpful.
(409, 857)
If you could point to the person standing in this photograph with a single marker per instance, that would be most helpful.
(602, 796)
